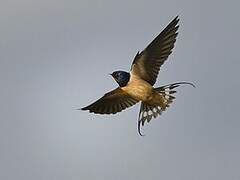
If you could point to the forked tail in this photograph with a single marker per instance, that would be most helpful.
(147, 112)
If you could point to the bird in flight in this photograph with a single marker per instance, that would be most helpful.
(137, 85)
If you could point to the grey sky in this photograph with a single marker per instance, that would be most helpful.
(55, 57)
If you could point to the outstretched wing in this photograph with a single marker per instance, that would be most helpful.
(147, 64)
(112, 102)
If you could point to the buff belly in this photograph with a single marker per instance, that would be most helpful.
(139, 89)
(143, 91)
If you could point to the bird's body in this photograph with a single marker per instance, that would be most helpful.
(138, 88)
(137, 85)
(141, 90)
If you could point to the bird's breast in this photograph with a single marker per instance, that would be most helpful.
(138, 89)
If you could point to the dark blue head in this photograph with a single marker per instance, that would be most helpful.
(121, 77)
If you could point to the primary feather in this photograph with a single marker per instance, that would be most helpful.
(147, 63)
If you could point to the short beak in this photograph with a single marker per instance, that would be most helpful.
(111, 74)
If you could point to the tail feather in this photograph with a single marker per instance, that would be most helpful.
(147, 112)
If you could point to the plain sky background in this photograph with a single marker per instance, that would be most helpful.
(55, 56)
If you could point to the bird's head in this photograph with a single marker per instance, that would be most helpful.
(121, 77)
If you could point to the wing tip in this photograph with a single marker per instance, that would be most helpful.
(175, 22)
(176, 18)
(84, 108)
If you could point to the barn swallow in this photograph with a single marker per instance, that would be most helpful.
(137, 85)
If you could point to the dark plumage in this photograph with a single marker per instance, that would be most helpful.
(121, 77)
(138, 84)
